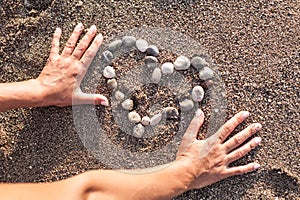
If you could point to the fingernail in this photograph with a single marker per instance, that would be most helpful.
(79, 26)
(245, 114)
(256, 166)
(257, 140)
(104, 103)
(258, 127)
(57, 30)
(198, 112)
(99, 36)
(93, 28)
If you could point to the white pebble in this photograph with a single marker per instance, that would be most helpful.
(134, 117)
(109, 72)
(138, 130)
(112, 83)
(206, 73)
(186, 105)
(155, 119)
(182, 63)
(167, 68)
(146, 120)
(127, 104)
(107, 56)
(119, 95)
(156, 75)
(197, 93)
(141, 45)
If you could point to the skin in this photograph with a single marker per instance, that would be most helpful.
(199, 163)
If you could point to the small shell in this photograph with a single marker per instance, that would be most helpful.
(127, 104)
(134, 117)
(146, 120)
(109, 72)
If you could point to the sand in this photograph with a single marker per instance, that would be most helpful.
(254, 44)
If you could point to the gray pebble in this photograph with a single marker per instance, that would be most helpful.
(170, 113)
(197, 93)
(186, 105)
(182, 63)
(138, 130)
(109, 72)
(151, 61)
(141, 45)
(167, 68)
(115, 45)
(198, 62)
(134, 117)
(146, 120)
(128, 41)
(156, 75)
(152, 50)
(107, 56)
(127, 104)
(155, 119)
(112, 83)
(119, 95)
(206, 73)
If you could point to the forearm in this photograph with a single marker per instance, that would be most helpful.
(21, 94)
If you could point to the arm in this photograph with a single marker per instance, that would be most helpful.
(59, 82)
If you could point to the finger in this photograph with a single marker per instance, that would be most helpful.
(89, 55)
(71, 43)
(85, 98)
(54, 51)
(192, 131)
(241, 169)
(84, 43)
(241, 137)
(230, 125)
(242, 151)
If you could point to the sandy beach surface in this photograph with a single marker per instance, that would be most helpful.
(255, 46)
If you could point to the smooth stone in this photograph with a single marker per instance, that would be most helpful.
(152, 50)
(186, 105)
(138, 130)
(109, 72)
(108, 56)
(170, 113)
(119, 95)
(146, 120)
(167, 68)
(155, 119)
(206, 73)
(128, 41)
(115, 45)
(198, 62)
(151, 61)
(156, 75)
(134, 117)
(182, 63)
(141, 45)
(207, 84)
(127, 104)
(112, 83)
(197, 93)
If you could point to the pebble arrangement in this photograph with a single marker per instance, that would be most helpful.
(159, 70)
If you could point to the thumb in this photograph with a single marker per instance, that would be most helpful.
(85, 98)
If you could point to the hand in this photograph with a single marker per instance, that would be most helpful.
(210, 157)
(61, 77)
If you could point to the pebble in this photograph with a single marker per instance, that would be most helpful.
(167, 68)
(138, 130)
(207, 84)
(109, 72)
(198, 62)
(127, 104)
(197, 93)
(182, 63)
(151, 61)
(119, 95)
(155, 119)
(112, 83)
(108, 56)
(134, 117)
(128, 41)
(206, 73)
(170, 113)
(141, 45)
(115, 45)
(186, 105)
(152, 50)
(156, 75)
(146, 120)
